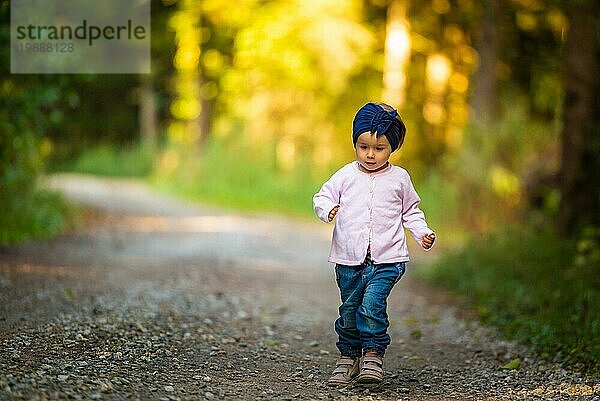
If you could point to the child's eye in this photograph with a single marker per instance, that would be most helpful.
(380, 149)
(362, 147)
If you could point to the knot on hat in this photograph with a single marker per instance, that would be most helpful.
(375, 119)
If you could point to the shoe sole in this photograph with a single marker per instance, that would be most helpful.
(367, 379)
(340, 383)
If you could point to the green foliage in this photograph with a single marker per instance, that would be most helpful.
(534, 287)
(36, 214)
(113, 161)
(533, 49)
(501, 166)
(27, 109)
(512, 365)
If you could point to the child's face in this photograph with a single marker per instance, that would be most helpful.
(372, 153)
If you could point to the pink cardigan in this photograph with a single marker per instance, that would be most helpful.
(374, 208)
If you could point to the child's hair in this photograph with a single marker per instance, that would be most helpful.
(382, 119)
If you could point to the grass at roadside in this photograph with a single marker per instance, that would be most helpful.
(112, 161)
(36, 213)
(44, 214)
(237, 180)
(535, 288)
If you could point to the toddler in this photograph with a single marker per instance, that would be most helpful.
(372, 202)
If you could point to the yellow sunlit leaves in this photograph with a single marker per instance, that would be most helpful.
(186, 106)
(335, 8)
(288, 44)
(176, 131)
(468, 55)
(459, 82)
(289, 73)
(421, 44)
(458, 114)
(185, 109)
(438, 72)
(453, 34)
(557, 21)
(454, 136)
(182, 22)
(187, 57)
(526, 21)
(466, 6)
(531, 5)
(182, 132)
(235, 13)
(209, 90)
(534, 14)
(213, 61)
(46, 147)
(505, 183)
(336, 46)
(291, 62)
(440, 6)
(434, 113)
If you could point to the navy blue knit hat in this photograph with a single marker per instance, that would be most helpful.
(375, 119)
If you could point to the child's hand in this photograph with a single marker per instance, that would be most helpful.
(428, 241)
(333, 212)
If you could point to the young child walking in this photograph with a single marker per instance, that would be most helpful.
(372, 202)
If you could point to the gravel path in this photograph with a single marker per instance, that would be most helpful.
(156, 299)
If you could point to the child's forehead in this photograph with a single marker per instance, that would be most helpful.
(371, 139)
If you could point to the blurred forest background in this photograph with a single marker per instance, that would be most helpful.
(250, 104)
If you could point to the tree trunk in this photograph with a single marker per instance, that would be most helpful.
(206, 116)
(485, 82)
(148, 121)
(580, 185)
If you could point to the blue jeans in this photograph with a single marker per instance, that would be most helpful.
(363, 320)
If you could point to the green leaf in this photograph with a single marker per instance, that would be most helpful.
(416, 334)
(512, 365)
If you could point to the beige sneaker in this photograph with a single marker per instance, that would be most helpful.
(371, 370)
(345, 370)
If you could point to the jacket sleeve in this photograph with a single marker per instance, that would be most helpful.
(327, 198)
(413, 217)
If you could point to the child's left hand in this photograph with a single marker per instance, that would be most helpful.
(427, 241)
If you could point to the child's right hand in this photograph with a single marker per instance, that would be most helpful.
(333, 212)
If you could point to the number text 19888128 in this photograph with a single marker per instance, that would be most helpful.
(47, 47)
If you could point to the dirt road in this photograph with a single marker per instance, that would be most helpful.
(157, 299)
